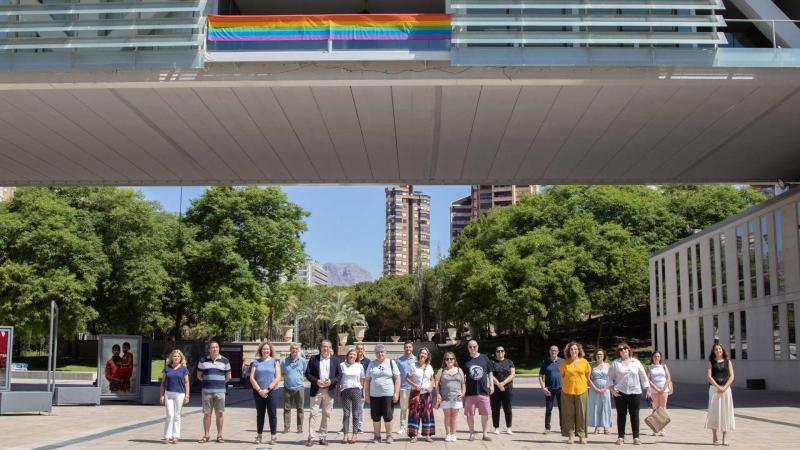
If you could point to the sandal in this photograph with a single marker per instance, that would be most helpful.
(203, 440)
(220, 440)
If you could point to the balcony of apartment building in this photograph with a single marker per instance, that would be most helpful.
(324, 30)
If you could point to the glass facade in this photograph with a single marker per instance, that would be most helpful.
(732, 334)
(658, 289)
(678, 281)
(699, 265)
(765, 253)
(743, 332)
(664, 286)
(677, 342)
(740, 260)
(712, 254)
(702, 339)
(776, 332)
(722, 273)
(779, 252)
(792, 332)
(666, 342)
(683, 335)
(751, 254)
(691, 265)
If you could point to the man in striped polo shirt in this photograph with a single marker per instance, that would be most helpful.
(214, 372)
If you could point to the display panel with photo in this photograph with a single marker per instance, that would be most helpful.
(6, 347)
(118, 366)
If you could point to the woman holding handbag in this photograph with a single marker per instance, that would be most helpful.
(420, 406)
(660, 383)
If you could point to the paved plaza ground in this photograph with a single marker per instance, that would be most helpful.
(764, 419)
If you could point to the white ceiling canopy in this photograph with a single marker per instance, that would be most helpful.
(418, 123)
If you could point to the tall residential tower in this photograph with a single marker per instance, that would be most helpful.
(481, 199)
(408, 231)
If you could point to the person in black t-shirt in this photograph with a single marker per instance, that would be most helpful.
(480, 385)
(503, 374)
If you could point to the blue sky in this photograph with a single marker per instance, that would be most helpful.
(346, 222)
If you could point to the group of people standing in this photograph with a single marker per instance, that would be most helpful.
(582, 391)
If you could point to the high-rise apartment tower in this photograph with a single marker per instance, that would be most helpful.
(481, 199)
(408, 231)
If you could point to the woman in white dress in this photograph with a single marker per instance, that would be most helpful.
(720, 401)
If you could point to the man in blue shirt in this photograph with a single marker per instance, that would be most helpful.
(404, 364)
(550, 382)
(293, 368)
(213, 372)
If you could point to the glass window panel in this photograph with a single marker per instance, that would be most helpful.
(740, 260)
(779, 251)
(664, 285)
(677, 342)
(751, 253)
(691, 266)
(743, 332)
(792, 331)
(722, 273)
(715, 326)
(776, 332)
(683, 335)
(698, 262)
(666, 342)
(765, 253)
(655, 337)
(732, 334)
(713, 268)
(658, 290)
(702, 339)
(678, 280)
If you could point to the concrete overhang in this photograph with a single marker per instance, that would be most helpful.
(404, 122)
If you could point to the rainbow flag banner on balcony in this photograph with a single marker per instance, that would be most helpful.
(339, 27)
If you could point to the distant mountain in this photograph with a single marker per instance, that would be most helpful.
(346, 274)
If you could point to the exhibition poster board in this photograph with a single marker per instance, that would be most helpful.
(6, 348)
(118, 366)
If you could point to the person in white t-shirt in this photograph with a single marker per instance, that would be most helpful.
(350, 391)
(420, 406)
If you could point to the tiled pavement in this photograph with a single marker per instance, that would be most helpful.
(764, 420)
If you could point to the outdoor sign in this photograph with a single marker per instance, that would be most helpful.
(6, 348)
(118, 366)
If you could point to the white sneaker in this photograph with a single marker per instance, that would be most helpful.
(448, 438)
(497, 431)
(508, 430)
(401, 431)
(454, 437)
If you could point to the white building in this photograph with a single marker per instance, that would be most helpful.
(739, 281)
(312, 273)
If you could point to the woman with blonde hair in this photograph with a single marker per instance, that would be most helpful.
(350, 391)
(575, 370)
(265, 377)
(450, 391)
(174, 394)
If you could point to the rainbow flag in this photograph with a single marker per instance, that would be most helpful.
(340, 27)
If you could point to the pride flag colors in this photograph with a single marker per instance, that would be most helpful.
(340, 27)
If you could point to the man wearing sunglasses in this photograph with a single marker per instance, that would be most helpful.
(480, 386)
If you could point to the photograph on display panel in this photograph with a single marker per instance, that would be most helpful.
(6, 348)
(118, 366)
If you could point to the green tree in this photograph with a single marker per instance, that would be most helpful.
(49, 251)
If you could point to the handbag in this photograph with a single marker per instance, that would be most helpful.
(416, 392)
(670, 389)
(658, 420)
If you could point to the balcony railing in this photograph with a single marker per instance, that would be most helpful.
(93, 33)
(329, 37)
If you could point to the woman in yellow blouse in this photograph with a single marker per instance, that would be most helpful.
(575, 372)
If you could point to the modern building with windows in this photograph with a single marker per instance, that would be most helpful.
(312, 273)
(6, 193)
(738, 282)
(408, 230)
(482, 198)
